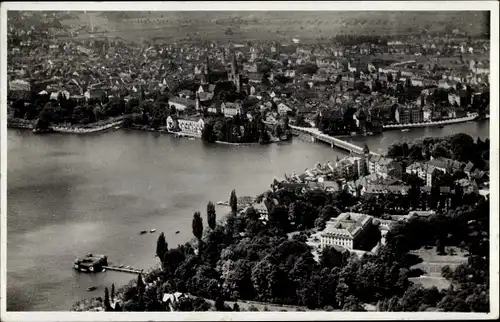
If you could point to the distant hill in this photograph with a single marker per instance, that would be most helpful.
(249, 25)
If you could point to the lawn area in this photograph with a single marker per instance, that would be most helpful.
(430, 256)
(430, 281)
(432, 263)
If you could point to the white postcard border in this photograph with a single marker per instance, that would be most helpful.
(257, 6)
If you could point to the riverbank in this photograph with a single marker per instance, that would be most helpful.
(79, 130)
(20, 124)
(197, 136)
(69, 128)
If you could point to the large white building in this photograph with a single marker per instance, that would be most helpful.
(231, 109)
(346, 230)
(191, 126)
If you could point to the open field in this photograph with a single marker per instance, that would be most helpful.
(433, 263)
(429, 281)
(265, 25)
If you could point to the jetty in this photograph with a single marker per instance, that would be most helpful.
(124, 269)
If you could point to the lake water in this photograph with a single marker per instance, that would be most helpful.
(69, 195)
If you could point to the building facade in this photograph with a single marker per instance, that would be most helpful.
(347, 230)
(191, 126)
(231, 109)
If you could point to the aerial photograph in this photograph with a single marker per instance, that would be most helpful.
(245, 161)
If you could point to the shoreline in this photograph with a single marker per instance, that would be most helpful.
(118, 121)
(196, 136)
(70, 129)
(62, 129)
(471, 117)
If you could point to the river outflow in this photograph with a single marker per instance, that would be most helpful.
(71, 194)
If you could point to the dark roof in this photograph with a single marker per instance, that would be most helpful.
(292, 186)
(183, 101)
(205, 96)
(438, 163)
(222, 86)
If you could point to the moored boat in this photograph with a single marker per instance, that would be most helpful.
(91, 263)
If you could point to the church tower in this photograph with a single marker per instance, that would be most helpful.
(198, 104)
(235, 76)
(365, 160)
(206, 68)
(234, 65)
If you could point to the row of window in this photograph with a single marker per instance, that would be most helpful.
(338, 242)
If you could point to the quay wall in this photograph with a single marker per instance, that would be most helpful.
(68, 128)
(434, 123)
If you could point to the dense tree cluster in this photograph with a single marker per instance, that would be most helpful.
(458, 146)
(238, 129)
(69, 110)
(467, 228)
(333, 125)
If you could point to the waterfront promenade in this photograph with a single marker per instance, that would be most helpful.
(69, 128)
(470, 117)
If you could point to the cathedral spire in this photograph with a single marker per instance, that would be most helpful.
(234, 66)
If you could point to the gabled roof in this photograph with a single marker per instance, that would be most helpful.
(183, 101)
(232, 105)
(438, 163)
(397, 189)
(205, 96)
(468, 167)
(384, 161)
(375, 158)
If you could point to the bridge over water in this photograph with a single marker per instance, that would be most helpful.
(334, 142)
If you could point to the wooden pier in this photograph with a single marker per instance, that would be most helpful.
(124, 269)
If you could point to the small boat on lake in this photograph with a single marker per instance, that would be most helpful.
(92, 288)
(405, 130)
(121, 266)
(143, 232)
(177, 232)
(223, 203)
(152, 230)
